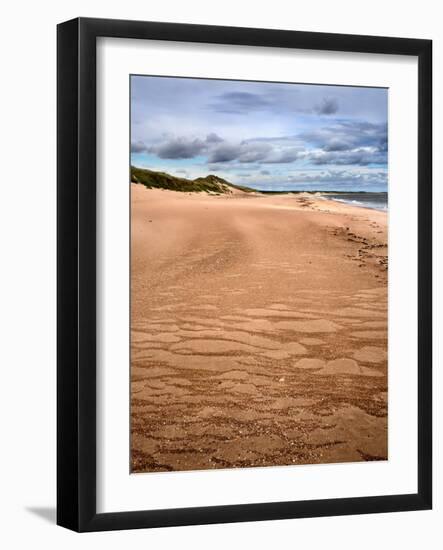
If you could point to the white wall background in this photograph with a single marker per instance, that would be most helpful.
(27, 271)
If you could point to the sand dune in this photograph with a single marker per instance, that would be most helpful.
(259, 331)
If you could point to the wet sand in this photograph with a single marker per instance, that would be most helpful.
(258, 331)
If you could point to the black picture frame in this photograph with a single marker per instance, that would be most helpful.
(76, 274)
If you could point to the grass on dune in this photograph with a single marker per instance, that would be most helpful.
(162, 180)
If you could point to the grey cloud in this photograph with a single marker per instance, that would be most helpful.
(224, 153)
(328, 178)
(283, 156)
(337, 145)
(213, 138)
(239, 102)
(355, 141)
(383, 143)
(179, 148)
(244, 152)
(138, 147)
(341, 176)
(342, 142)
(341, 158)
(328, 106)
(252, 152)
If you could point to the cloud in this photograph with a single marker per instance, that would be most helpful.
(179, 148)
(213, 138)
(283, 156)
(359, 157)
(383, 144)
(244, 152)
(341, 142)
(328, 179)
(239, 102)
(138, 147)
(348, 177)
(253, 152)
(328, 106)
(348, 142)
(337, 145)
(265, 172)
(224, 153)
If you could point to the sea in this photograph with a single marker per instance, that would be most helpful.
(376, 201)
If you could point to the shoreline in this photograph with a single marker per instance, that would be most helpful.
(352, 203)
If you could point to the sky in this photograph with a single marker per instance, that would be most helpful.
(265, 135)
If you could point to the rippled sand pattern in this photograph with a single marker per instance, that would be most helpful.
(253, 343)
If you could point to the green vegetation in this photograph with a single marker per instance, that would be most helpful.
(162, 180)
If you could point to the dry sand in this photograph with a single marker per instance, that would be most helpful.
(259, 331)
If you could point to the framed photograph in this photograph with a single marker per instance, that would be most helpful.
(244, 274)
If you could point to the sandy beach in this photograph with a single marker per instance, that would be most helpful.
(258, 331)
